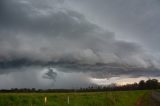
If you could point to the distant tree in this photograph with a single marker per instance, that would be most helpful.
(33, 89)
(152, 84)
(142, 84)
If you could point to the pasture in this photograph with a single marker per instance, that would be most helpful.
(110, 98)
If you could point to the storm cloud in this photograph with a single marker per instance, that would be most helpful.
(54, 32)
(45, 33)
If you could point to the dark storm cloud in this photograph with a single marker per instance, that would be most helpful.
(41, 77)
(130, 19)
(68, 76)
(46, 31)
(109, 70)
(50, 74)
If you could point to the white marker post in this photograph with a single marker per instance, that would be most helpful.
(68, 100)
(45, 100)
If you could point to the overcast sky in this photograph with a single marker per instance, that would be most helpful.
(83, 39)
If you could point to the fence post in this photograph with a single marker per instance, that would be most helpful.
(45, 100)
(68, 100)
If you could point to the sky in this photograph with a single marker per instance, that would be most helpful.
(78, 43)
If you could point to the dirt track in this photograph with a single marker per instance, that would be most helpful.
(153, 99)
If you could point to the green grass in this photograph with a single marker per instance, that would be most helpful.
(117, 98)
(158, 90)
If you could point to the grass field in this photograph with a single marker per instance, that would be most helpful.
(116, 98)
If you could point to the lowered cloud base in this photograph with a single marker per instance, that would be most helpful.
(44, 33)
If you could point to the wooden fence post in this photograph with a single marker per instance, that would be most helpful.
(45, 100)
(68, 100)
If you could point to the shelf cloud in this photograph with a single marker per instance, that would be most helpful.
(52, 32)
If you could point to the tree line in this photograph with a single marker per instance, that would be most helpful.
(142, 85)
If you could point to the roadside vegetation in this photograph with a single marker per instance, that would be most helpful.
(114, 98)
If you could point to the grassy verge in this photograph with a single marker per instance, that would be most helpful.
(116, 98)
